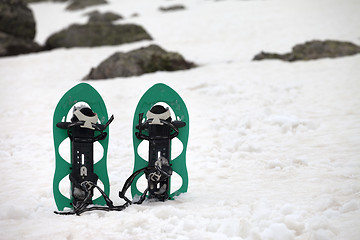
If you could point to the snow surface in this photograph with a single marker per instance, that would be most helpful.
(273, 150)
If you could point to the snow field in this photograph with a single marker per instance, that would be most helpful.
(273, 150)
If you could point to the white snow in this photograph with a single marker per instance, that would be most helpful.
(273, 150)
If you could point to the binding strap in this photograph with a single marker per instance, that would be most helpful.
(128, 183)
(88, 187)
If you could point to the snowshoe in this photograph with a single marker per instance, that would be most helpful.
(87, 125)
(158, 128)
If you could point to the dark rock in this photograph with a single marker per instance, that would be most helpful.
(314, 50)
(80, 4)
(323, 49)
(17, 28)
(96, 34)
(265, 55)
(137, 62)
(11, 45)
(35, 1)
(106, 17)
(17, 19)
(172, 8)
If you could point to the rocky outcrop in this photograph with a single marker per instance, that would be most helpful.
(17, 28)
(16, 19)
(34, 1)
(314, 50)
(171, 8)
(96, 34)
(137, 62)
(81, 4)
(10, 45)
(107, 17)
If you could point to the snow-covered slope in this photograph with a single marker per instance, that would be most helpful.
(273, 150)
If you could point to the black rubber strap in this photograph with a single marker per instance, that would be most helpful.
(84, 205)
(128, 183)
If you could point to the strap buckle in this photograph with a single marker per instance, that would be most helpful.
(155, 176)
(87, 185)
